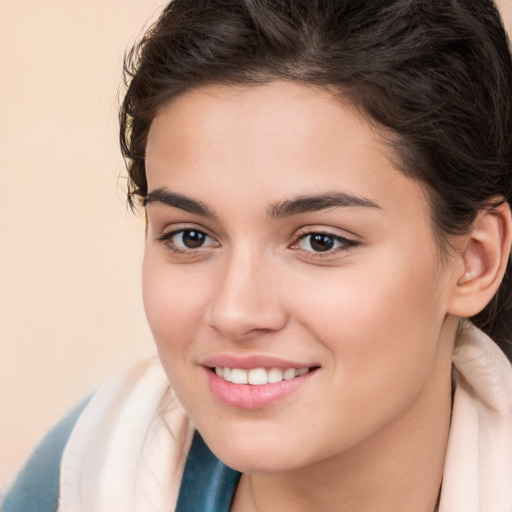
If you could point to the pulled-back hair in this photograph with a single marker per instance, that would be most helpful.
(437, 74)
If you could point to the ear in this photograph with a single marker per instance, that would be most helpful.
(481, 262)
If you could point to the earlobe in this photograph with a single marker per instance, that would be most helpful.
(483, 261)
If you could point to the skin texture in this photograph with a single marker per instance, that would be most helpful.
(368, 429)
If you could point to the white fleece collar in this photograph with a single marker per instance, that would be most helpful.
(128, 449)
(478, 467)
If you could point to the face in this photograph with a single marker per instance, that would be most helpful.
(291, 278)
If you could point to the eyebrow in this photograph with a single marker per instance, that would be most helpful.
(307, 204)
(299, 205)
(163, 196)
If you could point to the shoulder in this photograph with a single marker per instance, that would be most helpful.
(130, 443)
(37, 485)
(113, 432)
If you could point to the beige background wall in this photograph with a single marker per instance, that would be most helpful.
(506, 12)
(70, 307)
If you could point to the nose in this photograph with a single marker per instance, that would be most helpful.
(246, 299)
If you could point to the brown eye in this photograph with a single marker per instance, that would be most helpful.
(192, 239)
(323, 242)
(187, 240)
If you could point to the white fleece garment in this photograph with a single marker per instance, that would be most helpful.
(128, 449)
(478, 466)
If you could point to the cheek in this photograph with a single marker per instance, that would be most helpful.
(173, 301)
(381, 322)
(382, 330)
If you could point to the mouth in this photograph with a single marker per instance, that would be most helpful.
(258, 387)
(259, 376)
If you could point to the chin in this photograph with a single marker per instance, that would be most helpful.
(252, 454)
(261, 462)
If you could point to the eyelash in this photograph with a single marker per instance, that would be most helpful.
(166, 239)
(344, 244)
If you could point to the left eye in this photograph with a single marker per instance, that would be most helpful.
(188, 239)
(322, 242)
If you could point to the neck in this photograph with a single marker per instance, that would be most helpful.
(399, 468)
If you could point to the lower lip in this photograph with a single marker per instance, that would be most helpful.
(247, 396)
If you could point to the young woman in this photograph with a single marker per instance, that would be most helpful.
(326, 185)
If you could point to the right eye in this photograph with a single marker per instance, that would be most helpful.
(187, 240)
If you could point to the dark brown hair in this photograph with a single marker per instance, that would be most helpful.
(436, 73)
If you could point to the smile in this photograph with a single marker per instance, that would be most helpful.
(258, 376)
(257, 387)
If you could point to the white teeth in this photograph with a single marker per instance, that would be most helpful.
(275, 375)
(258, 376)
(239, 376)
(289, 374)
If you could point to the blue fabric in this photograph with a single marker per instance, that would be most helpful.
(208, 485)
(36, 488)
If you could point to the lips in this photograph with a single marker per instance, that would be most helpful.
(255, 382)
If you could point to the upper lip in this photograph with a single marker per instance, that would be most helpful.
(253, 361)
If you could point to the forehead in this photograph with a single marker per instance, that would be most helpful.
(268, 114)
(281, 138)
